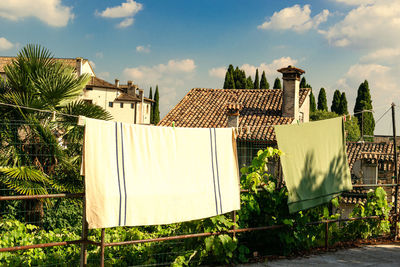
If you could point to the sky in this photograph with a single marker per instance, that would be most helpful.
(181, 44)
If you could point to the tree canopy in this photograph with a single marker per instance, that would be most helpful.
(277, 83)
(264, 83)
(322, 104)
(362, 109)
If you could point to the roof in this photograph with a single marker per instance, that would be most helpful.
(4, 60)
(381, 153)
(127, 97)
(97, 82)
(378, 153)
(206, 108)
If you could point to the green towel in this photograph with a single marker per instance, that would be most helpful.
(314, 163)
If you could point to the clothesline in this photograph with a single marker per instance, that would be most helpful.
(53, 112)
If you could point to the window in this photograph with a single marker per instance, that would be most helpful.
(89, 101)
(147, 109)
(121, 105)
(132, 105)
(110, 104)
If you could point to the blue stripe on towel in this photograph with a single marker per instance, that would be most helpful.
(216, 160)
(212, 166)
(119, 186)
(123, 171)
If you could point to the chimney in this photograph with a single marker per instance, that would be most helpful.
(291, 91)
(79, 65)
(232, 113)
(129, 83)
(141, 95)
(116, 82)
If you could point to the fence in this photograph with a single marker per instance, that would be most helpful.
(33, 145)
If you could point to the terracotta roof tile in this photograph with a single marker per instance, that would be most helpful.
(127, 97)
(206, 108)
(97, 82)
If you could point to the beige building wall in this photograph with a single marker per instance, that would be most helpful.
(103, 97)
(86, 68)
(305, 109)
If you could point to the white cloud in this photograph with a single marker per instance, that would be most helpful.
(171, 78)
(125, 23)
(269, 68)
(295, 18)
(5, 44)
(372, 26)
(143, 49)
(217, 72)
(52, 12)
(390, 55)
(126, 10)
(382, 83)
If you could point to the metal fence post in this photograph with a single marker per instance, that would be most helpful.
(326, 235)
(396, 176)
(102, 248)
(84, 236)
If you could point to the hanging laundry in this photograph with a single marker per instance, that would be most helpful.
(314, 164)
(147, 175)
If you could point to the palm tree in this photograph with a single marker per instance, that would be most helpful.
(38, 152)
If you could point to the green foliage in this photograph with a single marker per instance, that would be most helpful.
(264, 83)
(364, 102)
(313, 105)
(256, 81)
(304, 84)
(277, 83)
(376, 205)
(249, 83)
(322, 104)
(229, 82)
(156, 107)
(350, 125)
(343, 105)
(239, 76)
(151, 105)
(322, 115)
(336, 101)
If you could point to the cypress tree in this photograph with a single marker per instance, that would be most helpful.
(240, 79)
(264, 83)
(229, 83)
(313, 106)
(151, 105)
(249, 83)
(277, 83)
(303, 83)
(156, 107)
(366, 121)
(336, 102)
(343, 105)
(322, 105)
(256, 81)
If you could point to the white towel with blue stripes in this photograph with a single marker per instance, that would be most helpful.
(148, 175)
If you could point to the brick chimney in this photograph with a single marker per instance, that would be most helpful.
(116, 82)
(291, 90)
(232, 113)
(129, 83)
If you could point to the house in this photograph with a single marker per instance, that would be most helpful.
(370, 163)
(254, 111)
(125, 103)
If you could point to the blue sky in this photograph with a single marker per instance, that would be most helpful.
(181, 44)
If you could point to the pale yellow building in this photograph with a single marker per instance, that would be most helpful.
(126, 103)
